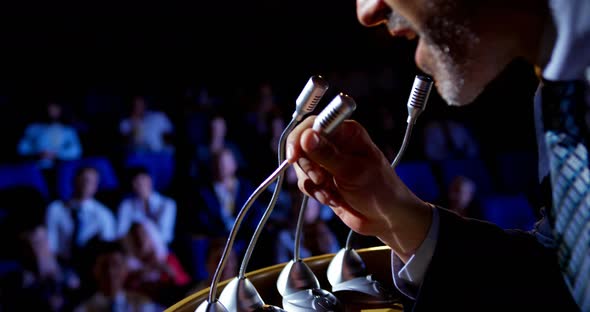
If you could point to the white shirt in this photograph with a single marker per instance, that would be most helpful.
(161, 212)
(95, 219)
(148, 134)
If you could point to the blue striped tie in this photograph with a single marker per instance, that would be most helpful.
(565, 137)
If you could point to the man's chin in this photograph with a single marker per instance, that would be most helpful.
(455, 94)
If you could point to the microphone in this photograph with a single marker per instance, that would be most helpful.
(418, 97)
(312, 93)
(212, 304)
(240, 294)
(297, 283)
(347, 271)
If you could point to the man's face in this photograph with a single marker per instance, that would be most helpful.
(460, 57)
(142, 185)
(87, 183)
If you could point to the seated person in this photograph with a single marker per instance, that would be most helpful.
(110, 272)
(42, 283)
(50, 140)
(71, 224)
(316, 237)
(153, 270)
(146, 130)
(146, 203)
(223, 197)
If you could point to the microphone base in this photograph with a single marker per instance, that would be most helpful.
(310, 300)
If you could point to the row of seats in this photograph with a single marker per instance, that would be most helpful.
(160, 166)
(504, 185)
(509, 173)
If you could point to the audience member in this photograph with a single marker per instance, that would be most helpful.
(146, 203)
(146, 130)
(110, 273)
(73, 223)
(223, 197)
(214, 253)
(461, 197)
(216, 141)
(316, 237)
(51, 139)
(42, 283)
(154, 270)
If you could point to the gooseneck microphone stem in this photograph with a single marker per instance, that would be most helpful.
(416, 104)
(273, 200)
(349, 240)
(299, 229)
(404, 146)
(234, 231)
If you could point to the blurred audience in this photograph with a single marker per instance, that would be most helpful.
(214, 253)
(110, 273)
(146, 130)
(154, 270)
(73, 223)
(41, 283)
(461, 197)
(216, 141)
(136, 258)
(50, 140)
(316, 237)
(145, 203)
(223, 197)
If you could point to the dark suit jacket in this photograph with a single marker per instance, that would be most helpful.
(210, 220)
(477, 266)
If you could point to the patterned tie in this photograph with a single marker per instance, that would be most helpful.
(565, 138)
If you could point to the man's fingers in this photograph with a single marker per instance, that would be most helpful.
(293, 140)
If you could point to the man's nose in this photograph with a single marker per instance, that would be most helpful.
(372, 12)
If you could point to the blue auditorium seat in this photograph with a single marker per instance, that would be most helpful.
(23, 174)
(473, 168)
(509, 211)
(160, 165)
(420, 179)
(199, 246)
(67, 170)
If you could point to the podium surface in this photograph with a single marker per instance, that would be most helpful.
(376, 259)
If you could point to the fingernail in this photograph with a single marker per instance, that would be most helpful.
(319, 196)
(314, 176)
(289, 151)
(314, 141)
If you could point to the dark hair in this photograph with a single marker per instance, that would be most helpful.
(80, 170)
(97, 247)
(133, 172)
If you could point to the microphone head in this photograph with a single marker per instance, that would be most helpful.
(314, 299)
(418, 96)
(310, 96)
(340, 108)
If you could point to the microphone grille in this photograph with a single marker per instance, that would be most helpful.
(312, 93)
(420, 92)
(340, 108)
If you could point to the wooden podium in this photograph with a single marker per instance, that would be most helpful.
(377, 260)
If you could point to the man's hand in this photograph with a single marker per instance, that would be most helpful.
(348, 172)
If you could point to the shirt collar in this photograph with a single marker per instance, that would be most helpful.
(570, 54)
